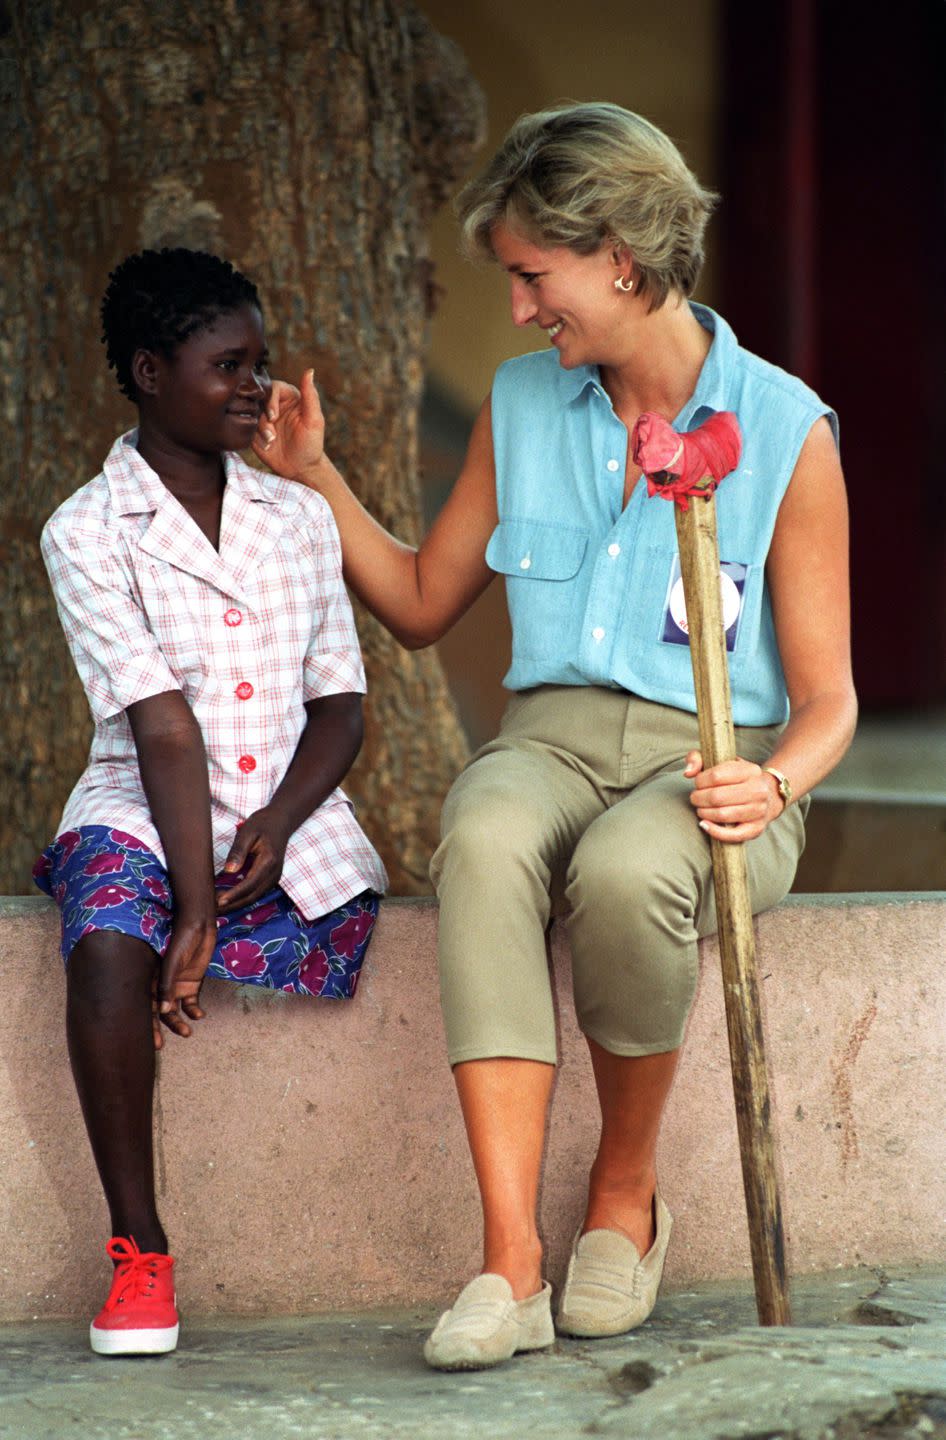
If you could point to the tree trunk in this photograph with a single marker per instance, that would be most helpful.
(309, 141)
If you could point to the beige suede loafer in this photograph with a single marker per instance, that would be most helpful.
(609, 1288)
(486, 1326)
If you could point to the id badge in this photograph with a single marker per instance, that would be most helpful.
(732, 580)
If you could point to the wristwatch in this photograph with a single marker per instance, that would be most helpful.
(784, 784)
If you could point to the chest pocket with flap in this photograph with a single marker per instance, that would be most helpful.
(542, 562)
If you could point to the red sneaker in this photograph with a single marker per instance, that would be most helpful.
(140, 1315)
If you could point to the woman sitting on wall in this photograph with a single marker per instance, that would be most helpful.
(595, 789)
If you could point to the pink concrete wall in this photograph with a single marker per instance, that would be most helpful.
(311, 1155)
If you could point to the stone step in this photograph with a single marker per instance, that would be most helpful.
(864, 1359)
(310, 1154)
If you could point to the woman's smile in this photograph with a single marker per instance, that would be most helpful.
(542, 278)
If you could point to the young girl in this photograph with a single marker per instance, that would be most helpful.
(204, 607)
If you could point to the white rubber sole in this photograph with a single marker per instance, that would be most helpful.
(134, 1342)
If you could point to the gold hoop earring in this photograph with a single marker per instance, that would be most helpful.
(625, 286)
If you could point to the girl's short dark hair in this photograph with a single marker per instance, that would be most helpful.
(157, 299)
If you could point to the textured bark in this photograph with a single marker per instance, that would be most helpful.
(309, 141)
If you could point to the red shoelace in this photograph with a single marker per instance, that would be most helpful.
(135, 1272)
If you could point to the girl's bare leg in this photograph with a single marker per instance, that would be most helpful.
(504, 1103)
(111, 1046)
(632, 1092)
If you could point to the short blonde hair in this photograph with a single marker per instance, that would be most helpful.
(588, 175)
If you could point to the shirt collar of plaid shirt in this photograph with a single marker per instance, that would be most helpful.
(135, 489)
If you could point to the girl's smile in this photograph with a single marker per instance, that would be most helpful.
(209, 395)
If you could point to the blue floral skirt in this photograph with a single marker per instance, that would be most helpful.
(105, 879)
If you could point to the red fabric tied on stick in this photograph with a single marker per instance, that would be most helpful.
(678, 466)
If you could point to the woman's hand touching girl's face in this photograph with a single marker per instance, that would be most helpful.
(291, 433)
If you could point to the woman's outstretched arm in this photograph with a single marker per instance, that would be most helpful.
(416, 593)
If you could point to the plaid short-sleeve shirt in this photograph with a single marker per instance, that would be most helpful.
(247, 633)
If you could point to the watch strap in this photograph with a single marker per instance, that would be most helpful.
(784, 784)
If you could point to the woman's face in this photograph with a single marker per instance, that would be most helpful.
(569, 296)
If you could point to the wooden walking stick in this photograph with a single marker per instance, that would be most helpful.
(684, 468)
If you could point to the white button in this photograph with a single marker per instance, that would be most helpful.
(612, 465)
(525, 563)
(597, 633)
(614, 549)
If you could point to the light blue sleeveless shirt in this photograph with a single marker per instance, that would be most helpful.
(593, 589)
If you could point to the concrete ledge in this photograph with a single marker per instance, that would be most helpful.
(311, 1154)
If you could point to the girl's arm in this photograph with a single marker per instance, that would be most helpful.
(416, 593)
(173, 765)
(807, 572)
(326, 751)
(123, 669)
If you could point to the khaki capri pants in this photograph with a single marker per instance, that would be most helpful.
(581, 803)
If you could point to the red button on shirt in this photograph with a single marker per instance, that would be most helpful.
(232, 617)
(244, 690)
(247, 763)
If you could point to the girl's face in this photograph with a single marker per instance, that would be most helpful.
(569, 296)
(210, 394)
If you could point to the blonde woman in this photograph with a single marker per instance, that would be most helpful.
(594, 790)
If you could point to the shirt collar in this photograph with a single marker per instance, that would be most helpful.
(714, 381)
(136, 489)
(575, 382)
(712, 386)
